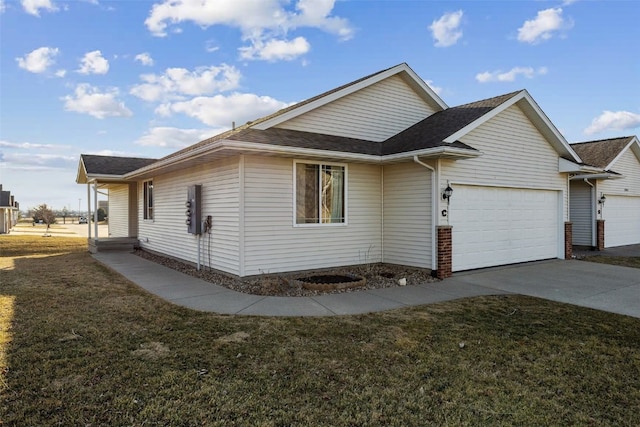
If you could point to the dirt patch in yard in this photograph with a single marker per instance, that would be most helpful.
(375, 276)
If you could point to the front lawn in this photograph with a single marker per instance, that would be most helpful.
(82, 346)
(625, 261)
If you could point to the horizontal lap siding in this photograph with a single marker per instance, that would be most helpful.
(374, 113)
(407, 215)
(629, 166)
(119, 210)
(273, 244)
(167, 233)
(514, 154)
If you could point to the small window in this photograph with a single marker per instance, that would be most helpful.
(320, 193)
(148, 199)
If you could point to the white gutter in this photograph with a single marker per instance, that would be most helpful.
(597, 176)
(434, 215)
(295, 151)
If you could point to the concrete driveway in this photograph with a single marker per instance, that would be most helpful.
(587, 284)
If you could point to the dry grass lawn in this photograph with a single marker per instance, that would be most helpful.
(82, 346)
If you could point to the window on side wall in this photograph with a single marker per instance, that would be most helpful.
(148, 199)
(320, 195)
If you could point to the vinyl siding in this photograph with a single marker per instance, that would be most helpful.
(374, 113)
(167, 232)
(582, 215)
(119, 210)
(272, 242)
(514, 154)
(629, 166)
(408, 230)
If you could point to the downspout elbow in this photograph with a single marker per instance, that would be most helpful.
(418, 161)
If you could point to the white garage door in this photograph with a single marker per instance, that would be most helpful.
(497, 226)
(622, 221)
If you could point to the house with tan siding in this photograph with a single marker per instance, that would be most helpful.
(377, 170)
(605, 208)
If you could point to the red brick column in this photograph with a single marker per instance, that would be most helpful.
(568, 240)
(600, 234)
(445, 252)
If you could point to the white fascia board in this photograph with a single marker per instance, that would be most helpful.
(605, 175)
(81, 177)
(566, 166)
(349, 90)
(635, 147)
(261, 148)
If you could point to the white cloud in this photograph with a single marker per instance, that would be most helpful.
(144, 59)
(33, 7)
(264, 24)
(220, 110)
(273, 50)
(89, 100)
(93, 63)
(436, 89)
(178, 82)
(37, 161)
(543, 26)
(61, 73)
(3, 6)
(31, 146)
(446, 30)
(511, 75)
(613, 120)
(38, 60)
(252, 17)
(174, 137)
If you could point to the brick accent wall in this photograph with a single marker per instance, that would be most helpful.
(568, 239)
(600, 234)
(445, 252)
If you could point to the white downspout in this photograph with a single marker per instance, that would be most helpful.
(434, 209)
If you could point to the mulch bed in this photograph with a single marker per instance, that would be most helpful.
(288, 284)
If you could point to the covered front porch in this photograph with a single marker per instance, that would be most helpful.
(104, 175)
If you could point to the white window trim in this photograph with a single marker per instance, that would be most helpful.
(346, 194)
(144, 203)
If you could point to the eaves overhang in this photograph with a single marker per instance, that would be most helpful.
(568, 166)
(228, 148)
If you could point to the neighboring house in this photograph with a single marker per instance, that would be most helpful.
(360, 175)
(9, 209)
(618, 187)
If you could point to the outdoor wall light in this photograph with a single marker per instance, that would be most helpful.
(601, 200)
(447, 193)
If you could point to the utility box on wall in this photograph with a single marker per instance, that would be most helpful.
(194, 209)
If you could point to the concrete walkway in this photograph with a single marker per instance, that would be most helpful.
(604, 287)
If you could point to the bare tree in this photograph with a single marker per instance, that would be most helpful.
(44, 213)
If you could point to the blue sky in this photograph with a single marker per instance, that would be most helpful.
(145, 78)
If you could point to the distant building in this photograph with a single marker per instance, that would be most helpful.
(9, 210)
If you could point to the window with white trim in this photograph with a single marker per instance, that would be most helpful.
(320, 193)
(148, 199)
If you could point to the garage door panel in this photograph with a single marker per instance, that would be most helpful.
(622, 221)
(496, 226)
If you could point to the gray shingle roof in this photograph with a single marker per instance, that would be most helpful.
(111, 165)
(600, 153)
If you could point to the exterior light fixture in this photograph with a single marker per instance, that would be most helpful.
(602, 199)
(447, 193)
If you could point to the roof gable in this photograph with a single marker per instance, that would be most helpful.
(604, 153)
(437, 128)
(533, 112)
(403, 70)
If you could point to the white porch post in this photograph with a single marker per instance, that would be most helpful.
(95, 208)
(89, 209)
